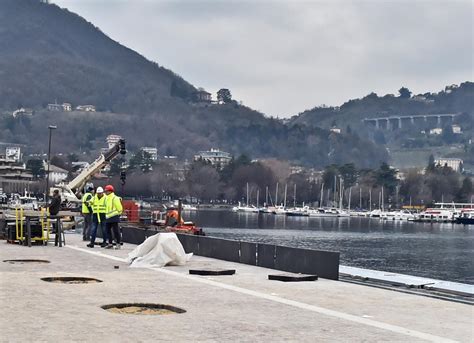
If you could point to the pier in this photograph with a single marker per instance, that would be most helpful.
(245, 306)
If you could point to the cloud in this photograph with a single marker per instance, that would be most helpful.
(282, 57)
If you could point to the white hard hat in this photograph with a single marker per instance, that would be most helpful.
(99, 190)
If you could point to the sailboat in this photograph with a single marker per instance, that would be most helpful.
(282, 208)
(247, 208)
(297, 211)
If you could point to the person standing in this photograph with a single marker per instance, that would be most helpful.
(114, 210)
(99, 209)
(87, 213)
(55, 203)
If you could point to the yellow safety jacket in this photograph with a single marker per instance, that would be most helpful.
(114, 206)
(99, 205)
(86, 202)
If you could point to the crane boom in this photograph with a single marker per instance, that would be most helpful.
(80, 180)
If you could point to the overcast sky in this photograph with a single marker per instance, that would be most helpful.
(282, 57)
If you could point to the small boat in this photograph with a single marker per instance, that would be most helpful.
(466, 217)
(188, 207)
(298, 212)
(247, 209)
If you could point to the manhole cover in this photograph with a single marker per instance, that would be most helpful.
(71, 280)
(292, 277)
(212, 271)
(143, 309)
(25, 261)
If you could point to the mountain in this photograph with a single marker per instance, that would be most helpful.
(49, 54)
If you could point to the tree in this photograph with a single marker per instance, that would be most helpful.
(405, 93)
(465, 192)
(224, 96)
(387, 177)
(36, 167)
(348, 173)
(431, 164)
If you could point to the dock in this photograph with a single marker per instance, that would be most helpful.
(245, 306)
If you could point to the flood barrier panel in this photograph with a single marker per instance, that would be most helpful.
(325, 264)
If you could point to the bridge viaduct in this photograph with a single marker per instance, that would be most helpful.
(393, 121)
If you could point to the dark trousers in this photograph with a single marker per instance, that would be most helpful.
(95, 226)
(113, 232)
(86, 232)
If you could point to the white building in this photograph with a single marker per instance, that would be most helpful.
(215, 157)
(112, 140)
(13, 153)
(436, 131)
(56, 174)
(22, 112)
(453, 163)
(335, 130)
(86, 108)
(456, 129)
(67, 107)
(152, 151)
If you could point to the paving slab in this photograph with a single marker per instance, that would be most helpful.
(242, 307)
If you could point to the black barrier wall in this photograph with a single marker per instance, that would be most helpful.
(325, 264)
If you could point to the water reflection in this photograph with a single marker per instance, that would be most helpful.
(443, 251)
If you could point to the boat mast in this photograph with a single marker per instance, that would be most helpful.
(247, 194)
(294, 197)
(276, 195)
(350, 194)
(266, 196)
(322, 195)
(258, 196)
(286, 189)
(370, 199)
(360, 198)
(382, 201)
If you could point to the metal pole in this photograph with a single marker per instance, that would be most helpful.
(51, 128)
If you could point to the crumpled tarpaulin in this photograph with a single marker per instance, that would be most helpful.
(159, 250)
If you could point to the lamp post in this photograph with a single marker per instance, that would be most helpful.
(51, 128)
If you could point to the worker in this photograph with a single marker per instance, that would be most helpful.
(171, 218)
(113, 213)
(55, 204)
(87, 212)
(99, 209)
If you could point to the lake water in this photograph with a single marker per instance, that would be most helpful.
(439, 251)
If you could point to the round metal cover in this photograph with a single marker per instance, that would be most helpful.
(143, 309)
(20, 261)
(71, 280)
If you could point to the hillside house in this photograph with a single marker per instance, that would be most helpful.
(215, 157)
(22, 112)
(202, 96)
(65, 107)
(436, 131)
(86, 108)
(453, 163)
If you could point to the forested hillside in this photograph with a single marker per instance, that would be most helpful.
(49, 54)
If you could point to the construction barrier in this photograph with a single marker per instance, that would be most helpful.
(325, 264)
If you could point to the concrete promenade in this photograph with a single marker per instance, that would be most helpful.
(242, 307)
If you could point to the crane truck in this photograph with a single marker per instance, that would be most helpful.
(68, 190)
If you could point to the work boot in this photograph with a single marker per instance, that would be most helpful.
(90, 245)
(103, 245)
(110, 246)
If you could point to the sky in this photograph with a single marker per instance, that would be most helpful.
(283, 57)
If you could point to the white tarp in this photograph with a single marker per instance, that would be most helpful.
(159, 250)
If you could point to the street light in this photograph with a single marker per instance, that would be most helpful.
(51, 128)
